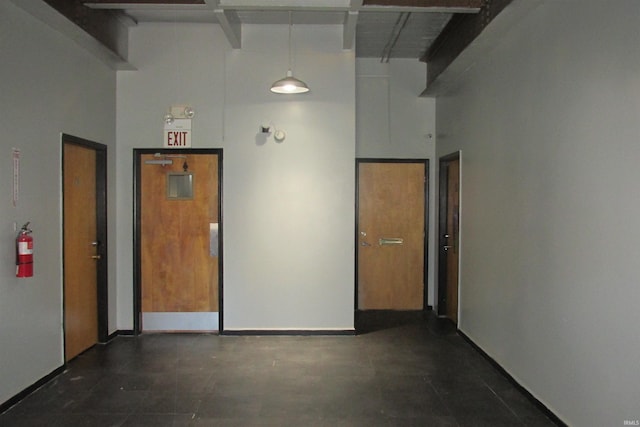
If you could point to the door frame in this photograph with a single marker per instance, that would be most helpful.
(443, 190)
(425, 303)
(102, 282)
(137, 229)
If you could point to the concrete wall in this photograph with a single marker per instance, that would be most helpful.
(49, 86)
(548, 122)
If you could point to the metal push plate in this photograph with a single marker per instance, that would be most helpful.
(391, 241)
(213, 239)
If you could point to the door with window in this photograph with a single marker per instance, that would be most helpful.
(178, 211)
(391, 206)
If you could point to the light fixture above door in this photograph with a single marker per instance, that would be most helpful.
(289, 84)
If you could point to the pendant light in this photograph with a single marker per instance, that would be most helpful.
(289, 85)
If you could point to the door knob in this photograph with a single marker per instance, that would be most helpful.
(447, 247)
(96, 256)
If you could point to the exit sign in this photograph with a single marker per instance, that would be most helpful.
(178, 134)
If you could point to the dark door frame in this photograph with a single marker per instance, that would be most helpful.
(443, 181)
(102, 282)
(137, 229)
(425, 305)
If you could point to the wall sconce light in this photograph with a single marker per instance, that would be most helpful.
(266, 130)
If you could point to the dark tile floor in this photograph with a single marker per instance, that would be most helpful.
(403, 371)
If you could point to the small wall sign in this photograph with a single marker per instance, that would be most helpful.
(16, 175)
(177, 134)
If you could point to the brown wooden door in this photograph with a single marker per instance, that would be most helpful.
(81, 250)
(449, 236)
(391, 230)
(179, 266)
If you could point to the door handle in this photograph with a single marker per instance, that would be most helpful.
(96, 257)
(391, 241)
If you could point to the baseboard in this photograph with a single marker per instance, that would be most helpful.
(110, 337)
(118, 333)
(285, 332)
(27, 391)
(553, 417)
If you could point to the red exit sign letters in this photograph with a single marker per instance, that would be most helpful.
(179, 138)
(178, 134)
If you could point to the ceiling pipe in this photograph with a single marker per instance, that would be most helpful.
(401, 22)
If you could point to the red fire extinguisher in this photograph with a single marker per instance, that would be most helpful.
(24, 252)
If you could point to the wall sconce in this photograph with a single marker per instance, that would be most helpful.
(278, 134)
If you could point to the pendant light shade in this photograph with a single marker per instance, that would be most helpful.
(289, 84)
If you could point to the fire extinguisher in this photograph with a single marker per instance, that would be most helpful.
(24, 252)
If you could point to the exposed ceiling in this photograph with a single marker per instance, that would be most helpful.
(381, 28)
(433, 31)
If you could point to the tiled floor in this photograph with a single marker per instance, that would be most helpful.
(405, 373)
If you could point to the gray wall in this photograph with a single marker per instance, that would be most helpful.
(188, 69)
(49, 86)
(291, 203)
(549, 127)
(288, 208)
(393, 122)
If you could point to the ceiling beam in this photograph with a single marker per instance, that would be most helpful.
(119, 4)
(463, 4)
(98, 34)
(349, 25)
(284, 4)
(146, 6)
(349, 29)
(101, 24)
(230, 24)
(470, 4)
(456, 36)
(449, 6)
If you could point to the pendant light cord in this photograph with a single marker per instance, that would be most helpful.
(290, 40)
(290, 85)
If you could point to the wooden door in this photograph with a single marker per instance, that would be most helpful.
(81, 251)
(178, 246)
(449, 236)
(391, 230)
